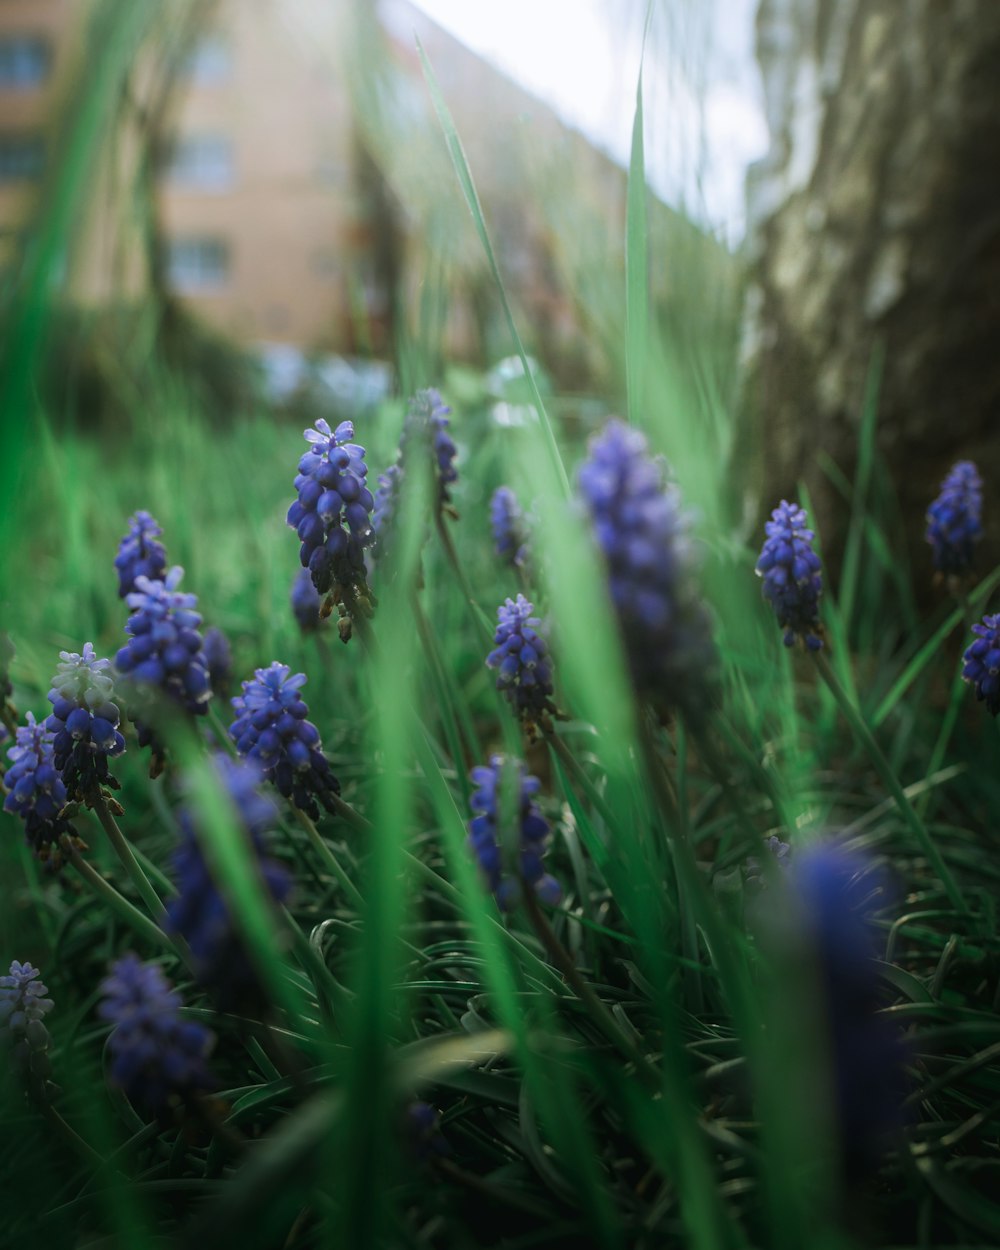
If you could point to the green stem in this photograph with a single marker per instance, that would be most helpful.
(351, 815)
(328, 857)
(478, 616)
(130, 863)
(573, 766)
(884, 770)
(105, 890)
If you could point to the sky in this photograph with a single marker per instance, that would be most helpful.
(702, 105)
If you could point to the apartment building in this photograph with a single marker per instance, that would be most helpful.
(286, 212)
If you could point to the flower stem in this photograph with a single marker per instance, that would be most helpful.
(131, 915)
(884, 770)
(130, 863)
(328, 857)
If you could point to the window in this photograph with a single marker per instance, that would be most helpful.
(24, 62)
(21, 157)
(196, 265)
(210, 61)
(201, 162)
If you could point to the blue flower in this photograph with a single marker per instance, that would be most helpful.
(164, 657)
(953, 519)
(305, 602)
(510, 537)
(332, 512)
(139, 554)
(530, 835)
(521, 658)
(23, 1007)
(85, 722)
(271, 728)
(36, 793)
(427, 423)
(835, 894)
(156, 1056)
(982, 663)
(651, 561)
(200, 913)
(791, 572)
(219, 659)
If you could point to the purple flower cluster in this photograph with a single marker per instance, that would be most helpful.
(427, 423)
(953, 519)
(85, 722)
(139, 554)
(36, 793)
(644, 538)
(529, 835)
(332, 512)
(521, 660)
(386, 514)
(982, 663)
(510, 535)
(164, 657)
(23, 1006)
(219, 660)
(271, 728)
(200, 913)
(791, 572)
(834, 895)
(156, 1056)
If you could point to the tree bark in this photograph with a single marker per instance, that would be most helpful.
(875, 222)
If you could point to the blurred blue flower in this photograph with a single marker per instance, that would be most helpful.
(199, 912)
(982, 663)
(139, 554)
(835, 893)
(305, 601)
(271, 728)
(521, 659)
(219, 659)
(385, 516)
(164, 657)
(791, 572)
(650, 559)
(23, 1006)
(531, 834)
(423, 1131)
(427, 423)
(156, 1056)
(36, 793)
(332, 514)
(953, 519)
(85, 722)
(510, 537)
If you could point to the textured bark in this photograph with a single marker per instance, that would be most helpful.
(875, 219)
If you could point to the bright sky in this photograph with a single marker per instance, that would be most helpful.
(582, 58)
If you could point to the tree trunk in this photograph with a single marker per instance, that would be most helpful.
(875, 223)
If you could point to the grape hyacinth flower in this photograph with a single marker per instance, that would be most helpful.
(427, 422)
(953, 519)
(85, 722)
(156, 1056)
(200, 913)
(791, 572)
(23, 1007)
(521, 658)
(164, 657)
(219, 659)
(644, 537)
(834, 893)
(332, 514)
(271, 728)
(305, 602)
(780, 852)
(510, 536)
(981, 666)
(36, 793)
(486, 837)
(139, 554)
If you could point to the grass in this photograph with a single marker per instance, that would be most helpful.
(665, 1087)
